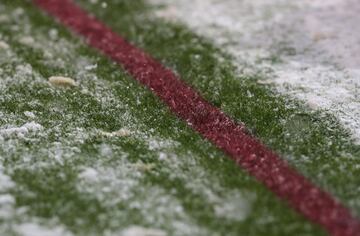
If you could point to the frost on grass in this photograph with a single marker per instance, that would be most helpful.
(231, 205)
(16, 129)
(124, 185)
(104, 168)
(306, 49)
(120, 183)
(14, 220)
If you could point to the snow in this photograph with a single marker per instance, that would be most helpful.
(104, 5)
(27, 40)
(91, 67)
(5, 181)
(23, 70)
(123, 132)
(3, 45)
(110, 176)
(162, 156)
(33, 229)
(156, 144)
(105, 150)
(234, 207)
(15, 218)
(89, 174)
(29, 114)
(140, 231)
(6, 199)
(53, 34)
(21, 131)
(316, 43)
(4, 18)
(18, 12)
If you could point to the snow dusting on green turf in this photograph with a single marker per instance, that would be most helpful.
(307, 49)
(312, 141)
(106, 157)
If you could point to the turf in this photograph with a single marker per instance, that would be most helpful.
(163, 175)
(314, 142)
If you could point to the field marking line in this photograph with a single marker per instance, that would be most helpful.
(249, 153)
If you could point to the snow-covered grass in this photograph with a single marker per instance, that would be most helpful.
(105, 157)
(67, 176)
(310, 139)
(307, 49)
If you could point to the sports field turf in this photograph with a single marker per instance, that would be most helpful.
(107, 157)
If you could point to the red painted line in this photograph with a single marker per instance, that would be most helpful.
(309, 200)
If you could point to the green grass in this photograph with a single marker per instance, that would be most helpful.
(195, 175)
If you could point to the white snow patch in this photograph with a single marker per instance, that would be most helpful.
(23, 71)
(6, 199)
(123, 132)
(34, 229)
(4, 18)
(91, 67)
(21, 131)
(158, 144)
(53, 34)
(234, 207)
(162, 156)
(104, 5)
(27, 40)
(5, 182)
(141, 231)
(18, 12)
(89, 174)
(3, 45)
(29, 114)
(105, 150)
